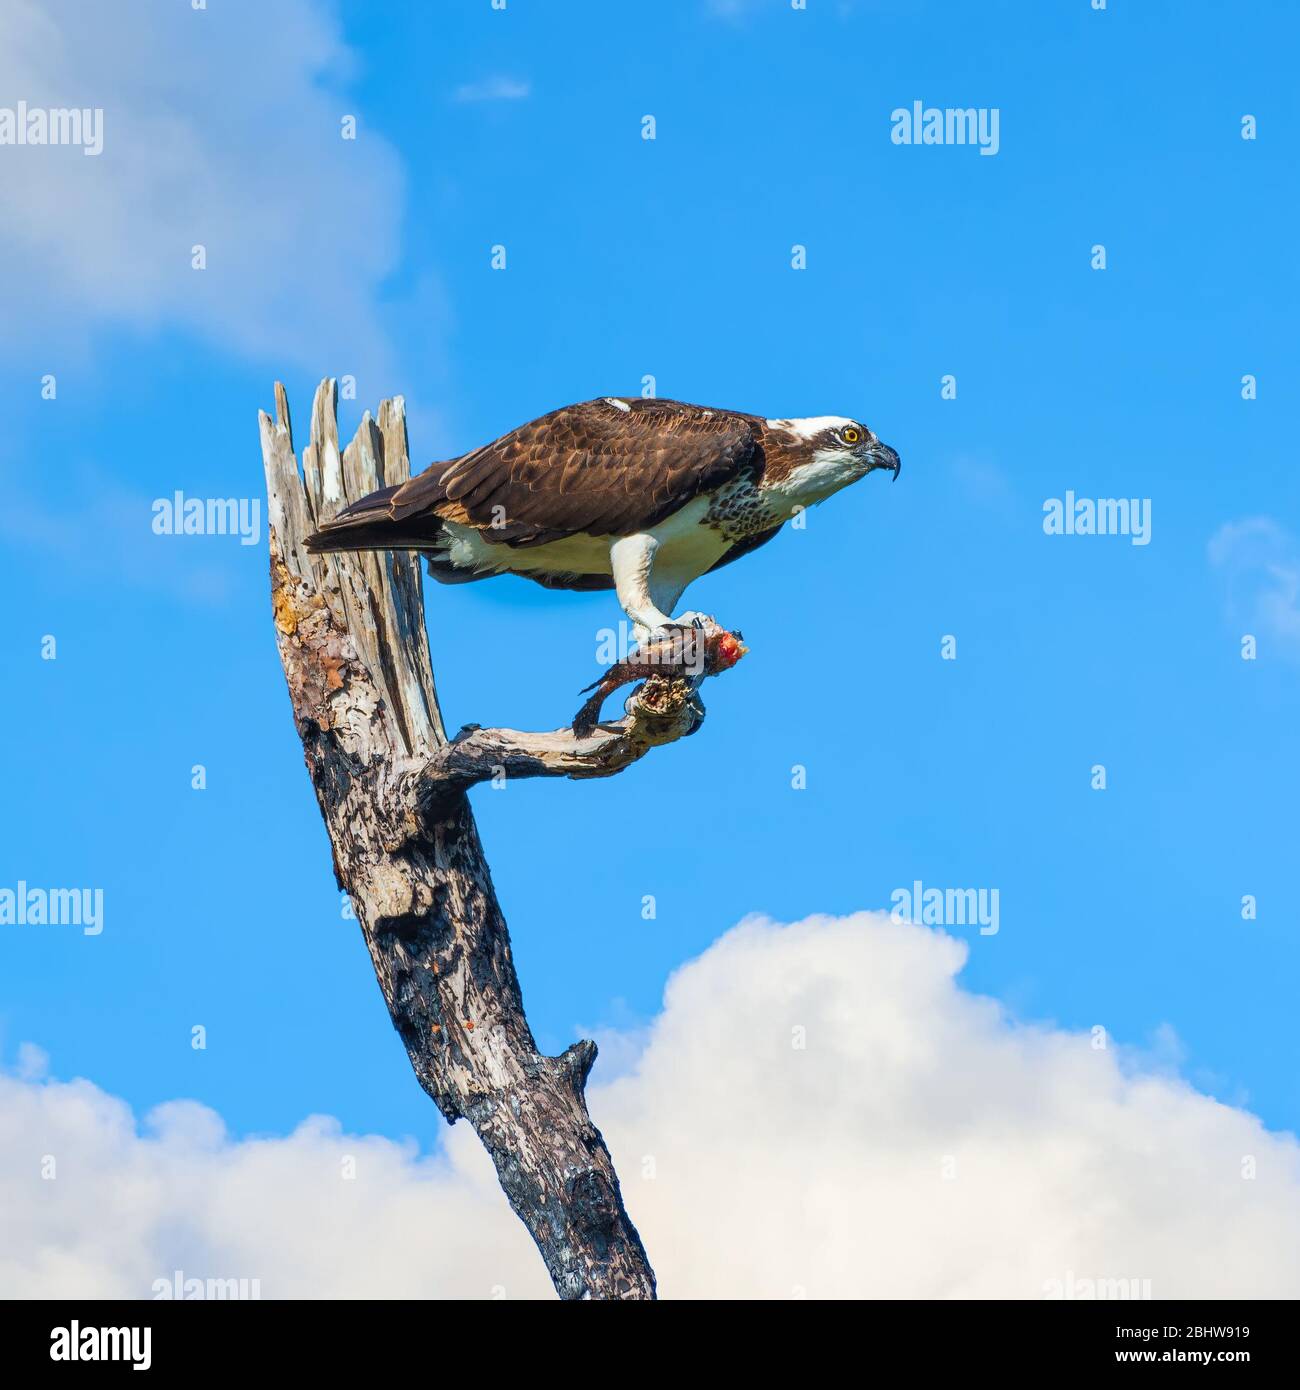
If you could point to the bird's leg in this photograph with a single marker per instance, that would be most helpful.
(648, 596)
(666, 588)
(632, 558)
(666, 585)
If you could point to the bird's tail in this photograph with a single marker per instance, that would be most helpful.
(370, 525)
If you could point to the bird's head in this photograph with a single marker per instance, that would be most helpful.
(812, 458)
(853, 446)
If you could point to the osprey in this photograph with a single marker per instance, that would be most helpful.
(639, 496)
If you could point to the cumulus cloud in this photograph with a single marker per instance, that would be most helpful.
(493, 89)
(222, 128)
(923, 1144)
(318, 1214)
(1260, 562)
(819, 1109)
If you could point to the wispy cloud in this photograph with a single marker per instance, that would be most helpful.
(1260, 562)
(222, 131)
(983, 481)
(94, 529)
(496, 88)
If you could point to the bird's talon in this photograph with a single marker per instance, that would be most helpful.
(688, 622)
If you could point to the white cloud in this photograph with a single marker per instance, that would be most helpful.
(129, 1206)
(496, 88)
(222, 127)
(823, 1168)
(776, 1169)
(1260, 562)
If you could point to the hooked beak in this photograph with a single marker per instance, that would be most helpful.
(882, 456)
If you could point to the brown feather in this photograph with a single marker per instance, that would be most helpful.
(591, 468)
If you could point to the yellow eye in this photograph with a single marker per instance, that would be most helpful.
(850, 436)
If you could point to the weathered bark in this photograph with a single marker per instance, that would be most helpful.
(391, 788)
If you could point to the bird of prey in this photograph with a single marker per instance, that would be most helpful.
(639, 496)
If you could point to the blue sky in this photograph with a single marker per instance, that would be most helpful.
(671, 257)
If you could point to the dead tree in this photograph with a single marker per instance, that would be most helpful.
(392, 790)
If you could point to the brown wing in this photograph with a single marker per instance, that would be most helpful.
(600, 468)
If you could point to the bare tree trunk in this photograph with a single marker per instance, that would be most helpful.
(391, 788)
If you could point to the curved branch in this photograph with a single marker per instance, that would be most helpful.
(661, 711)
